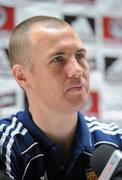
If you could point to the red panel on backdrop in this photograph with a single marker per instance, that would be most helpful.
(92, 107)
(6, 18)
(112, 29)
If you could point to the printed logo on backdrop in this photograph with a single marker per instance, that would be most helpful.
(113, 69)
(5, 70)
(112, 87)
(8, 99)
(112, 29)
(92, 64)
(85, 26)
(6, 18)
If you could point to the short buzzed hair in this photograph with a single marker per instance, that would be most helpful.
(20, 46)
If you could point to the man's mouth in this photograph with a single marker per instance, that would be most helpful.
(76, 88)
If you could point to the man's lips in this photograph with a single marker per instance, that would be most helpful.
(76, 88)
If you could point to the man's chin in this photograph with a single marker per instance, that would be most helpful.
(79, 106)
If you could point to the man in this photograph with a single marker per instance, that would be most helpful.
(51, 139)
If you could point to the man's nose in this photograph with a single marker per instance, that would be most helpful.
(73, 68)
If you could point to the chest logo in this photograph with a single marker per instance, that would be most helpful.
(91, 175)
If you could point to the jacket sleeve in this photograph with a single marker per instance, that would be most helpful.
(9, 153)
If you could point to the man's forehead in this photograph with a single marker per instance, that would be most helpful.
(41, 33)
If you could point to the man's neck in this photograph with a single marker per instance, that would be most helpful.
(59, 127)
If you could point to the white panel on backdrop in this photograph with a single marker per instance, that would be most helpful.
(26, 10)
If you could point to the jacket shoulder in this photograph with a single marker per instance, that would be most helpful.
(109, 133)
(17, 146)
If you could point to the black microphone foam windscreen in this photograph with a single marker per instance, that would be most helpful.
(100, 157)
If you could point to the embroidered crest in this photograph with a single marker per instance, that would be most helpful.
(90, 174)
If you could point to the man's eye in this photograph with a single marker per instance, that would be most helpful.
(80, 56)
(58, 59)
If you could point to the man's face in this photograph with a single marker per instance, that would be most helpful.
(60, 75)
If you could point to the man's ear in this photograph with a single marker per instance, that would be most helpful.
(19, 74)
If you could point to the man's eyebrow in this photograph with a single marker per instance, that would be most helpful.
(82, 50)
(57, 53)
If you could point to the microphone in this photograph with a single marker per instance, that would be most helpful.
(107, 162)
